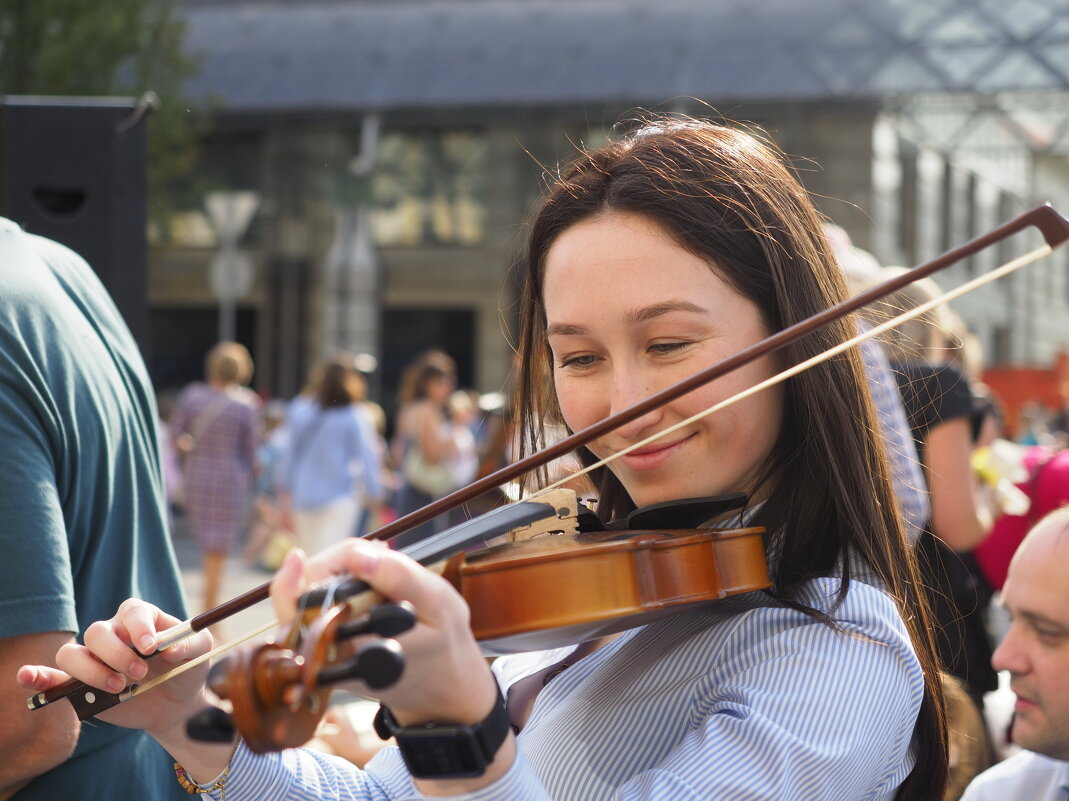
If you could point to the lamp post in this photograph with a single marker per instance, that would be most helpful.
(230, 213)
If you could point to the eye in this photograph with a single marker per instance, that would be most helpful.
(1050, 636)
(665, 348)
(579, 361)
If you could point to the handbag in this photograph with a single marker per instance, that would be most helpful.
(435, 480)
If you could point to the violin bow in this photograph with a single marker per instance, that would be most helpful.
(1052, 225)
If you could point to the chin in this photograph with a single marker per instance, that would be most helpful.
(649, 498)
(1028, 740)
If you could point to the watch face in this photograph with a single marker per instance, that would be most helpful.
(442, 753)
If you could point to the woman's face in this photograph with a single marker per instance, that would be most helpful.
(628, 313)
(440, 387)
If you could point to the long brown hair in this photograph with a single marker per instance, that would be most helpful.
(728, 197)
(417, 375)
(339, 384)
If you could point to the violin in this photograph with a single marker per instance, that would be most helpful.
(619, 576)
(603, 581)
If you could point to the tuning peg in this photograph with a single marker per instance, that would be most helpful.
(378, 664)
(385, 620)
(211, 725)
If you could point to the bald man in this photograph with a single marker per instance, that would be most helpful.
(1036, 654)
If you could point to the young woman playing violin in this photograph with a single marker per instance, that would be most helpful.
(652, 258)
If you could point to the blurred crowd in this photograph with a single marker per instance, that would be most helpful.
(254, 477)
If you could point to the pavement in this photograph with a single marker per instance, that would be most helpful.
(237, 579)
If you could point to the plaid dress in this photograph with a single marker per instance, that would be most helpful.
(217, 475)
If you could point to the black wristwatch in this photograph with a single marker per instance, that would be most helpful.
(447, 750)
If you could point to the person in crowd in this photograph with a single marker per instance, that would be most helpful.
(375, 517)
(268, 534)
(1034, 424)
(331, 468)
(423, 441)
(463, 458)
(83, 510)
(861, 271)
(1045, 485)
(215, 427)
(941, 408)
(652, 258)
(1035, 653)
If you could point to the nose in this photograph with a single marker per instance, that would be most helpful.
(629, 387)
(1009, 655)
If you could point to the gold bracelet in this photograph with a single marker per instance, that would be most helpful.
(193, 788)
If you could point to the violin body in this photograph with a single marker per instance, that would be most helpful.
(561, 590)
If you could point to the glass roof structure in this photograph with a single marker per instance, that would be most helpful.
(260, 55)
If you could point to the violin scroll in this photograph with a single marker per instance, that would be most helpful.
(279, 692)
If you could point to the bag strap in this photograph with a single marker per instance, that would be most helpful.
(207, 417)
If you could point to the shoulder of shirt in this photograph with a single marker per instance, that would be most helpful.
(866, 611)
(1018, 768)
(866, 606)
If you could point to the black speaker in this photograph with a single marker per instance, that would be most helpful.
(74, 170)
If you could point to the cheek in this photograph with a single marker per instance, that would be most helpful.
(576, 406)
(759, 414)
(1054, 670)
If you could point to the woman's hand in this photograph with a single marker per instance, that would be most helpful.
(446, 678)
(107, 661)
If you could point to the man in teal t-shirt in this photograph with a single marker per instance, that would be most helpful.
(82, 515)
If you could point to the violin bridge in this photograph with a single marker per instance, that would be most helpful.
(566, 521)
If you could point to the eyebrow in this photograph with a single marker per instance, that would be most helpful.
(633, 317)
(1037, 619)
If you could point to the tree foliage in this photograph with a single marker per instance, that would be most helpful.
(109, 48)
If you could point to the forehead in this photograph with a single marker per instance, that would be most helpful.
(1038, 580)
(632, 250)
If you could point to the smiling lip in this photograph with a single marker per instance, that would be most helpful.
(652, 456)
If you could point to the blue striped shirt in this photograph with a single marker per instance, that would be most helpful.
(743, 699)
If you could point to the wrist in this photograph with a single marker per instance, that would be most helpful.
(195, 783)
(449, 749)
(202, 762)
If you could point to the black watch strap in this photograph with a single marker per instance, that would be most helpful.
(447, 750)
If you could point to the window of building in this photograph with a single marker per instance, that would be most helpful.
(429, 189)
(225, 161)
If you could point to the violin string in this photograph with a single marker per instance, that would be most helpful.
(987, 278)
(137, 689)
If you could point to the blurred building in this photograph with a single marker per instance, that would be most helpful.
(399, 145)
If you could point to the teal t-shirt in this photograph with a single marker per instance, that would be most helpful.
(82, 514)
